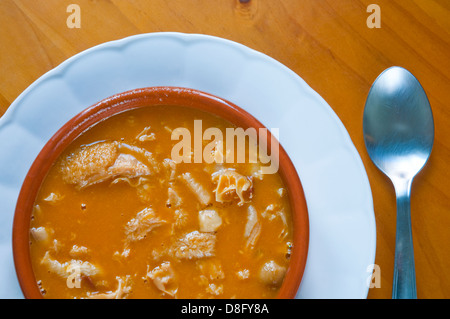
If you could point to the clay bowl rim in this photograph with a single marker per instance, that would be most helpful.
(152, 96)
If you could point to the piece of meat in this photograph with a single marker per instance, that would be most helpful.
(209, 220)
(211, 275)
(243, 274)
(39, 234)
(122, 255)
(252, 227)
(284, 232)
(144, 222)
(217, 153)
(272, 274)
(145, 135)
(89, 164)
(214, 289)
(122, 290)
(232, 185)
(53, 198)
(142, 155)
(211, 269)
(171, 168)
(164, 279)
(78, 251)
(63, 270)
(56, 246)
(174, 200)
(181, 218)
(132, 182)
(102, 161)
(200, 192)
(195, 245)
(271, 213)
(127, 165)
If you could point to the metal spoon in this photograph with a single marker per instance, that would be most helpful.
(399, 132)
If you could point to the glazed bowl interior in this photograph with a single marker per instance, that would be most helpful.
(147, 97)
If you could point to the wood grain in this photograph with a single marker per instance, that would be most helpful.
(326, 42)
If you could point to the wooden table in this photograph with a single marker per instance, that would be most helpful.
(327, 42)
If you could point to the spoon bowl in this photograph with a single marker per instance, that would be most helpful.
(398, 132)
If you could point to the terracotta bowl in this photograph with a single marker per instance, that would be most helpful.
(147, 97)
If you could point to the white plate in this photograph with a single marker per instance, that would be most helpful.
(342, 223)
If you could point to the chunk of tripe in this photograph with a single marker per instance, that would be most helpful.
(144, 222)
(272, 274)
(231, 185)
(120, 293)
(252, 228)
(78, 251)
(211, 269)
(53, 198)
(173, 200)
(195, 187)
(84, 268)
(102, 161)
(163, 276)
(146, 135)
(209, 220)
(39, 234)
(195, 245)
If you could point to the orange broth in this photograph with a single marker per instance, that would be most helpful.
(93, 219)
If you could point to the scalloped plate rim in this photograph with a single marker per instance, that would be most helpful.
(59, 70)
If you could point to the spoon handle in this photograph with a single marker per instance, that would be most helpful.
(404, 286)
